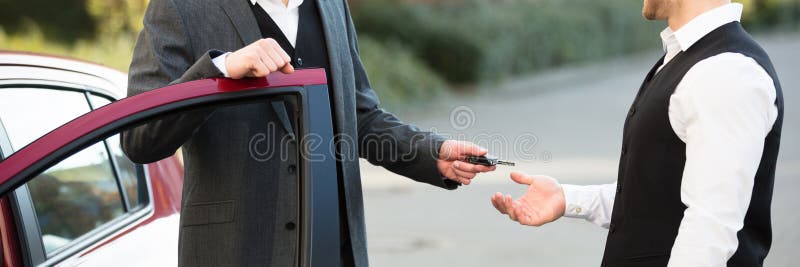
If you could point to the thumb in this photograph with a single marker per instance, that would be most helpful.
(470, 149)
(452, 150)
(288, 68)
(521, 178)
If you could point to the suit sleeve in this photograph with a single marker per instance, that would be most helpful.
(385, 140)
(163, 56)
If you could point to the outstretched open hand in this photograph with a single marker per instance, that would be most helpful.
(542, 203)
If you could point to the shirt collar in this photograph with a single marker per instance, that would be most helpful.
(276, 4)
(700, 26)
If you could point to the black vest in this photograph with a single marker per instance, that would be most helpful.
(310, 51)
(647, 208)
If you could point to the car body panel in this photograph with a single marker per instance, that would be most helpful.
(39, 67)
(8, 235)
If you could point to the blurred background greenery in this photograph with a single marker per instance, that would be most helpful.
(414, 50)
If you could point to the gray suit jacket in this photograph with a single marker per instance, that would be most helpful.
(236, 210)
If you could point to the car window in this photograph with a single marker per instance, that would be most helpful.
(75, 196)
(29, 113)
(98, 101)
(84, 191)
(128, 173)
(127, 170)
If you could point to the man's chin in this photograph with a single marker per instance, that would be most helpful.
(648, 15)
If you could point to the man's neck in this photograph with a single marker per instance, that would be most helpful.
(687, 10)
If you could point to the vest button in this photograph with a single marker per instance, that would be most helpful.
(299, 61)
(291, 169)
(624, 150)
(290, 226)
(631, 112)
(619, 188)
(611, 228)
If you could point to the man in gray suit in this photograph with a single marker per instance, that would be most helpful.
(238, 210)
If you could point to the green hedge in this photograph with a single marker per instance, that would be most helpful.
(397, 76)
(772, 14)
(478, 40)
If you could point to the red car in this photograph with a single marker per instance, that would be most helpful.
(68, 194)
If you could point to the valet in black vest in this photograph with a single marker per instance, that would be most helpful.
(309, 51)
(648, 209)
(699, 151)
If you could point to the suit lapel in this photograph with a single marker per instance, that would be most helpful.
(338, 54)
(331, 24)
(243, 20)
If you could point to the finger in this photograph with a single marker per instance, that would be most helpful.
(509, 203)
(495, 202)
(267, 49)
(459, 150)
(276, 59)
(512, 215)
(259, 69)
(468, 167)
(459, 179)
(267, 44)
(519, 213)
(470, 149)
(521, 178)
(524, 219)
(281, 56)
(464, 181)
(288, 69)
(268, 61)
(465, 175)
(512, 211)
(501, 202)
(279, 50)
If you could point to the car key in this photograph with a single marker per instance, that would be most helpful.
(488, 160)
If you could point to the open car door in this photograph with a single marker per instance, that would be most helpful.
(319, 210)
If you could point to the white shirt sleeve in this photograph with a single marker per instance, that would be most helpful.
(722, 109)
(593, 203)
(219, 62)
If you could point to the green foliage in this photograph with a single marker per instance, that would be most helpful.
(59, 20)
(478, 40)
(399, 78)
(117, 16)
(69, 21)
(112, 50)
(766, 14)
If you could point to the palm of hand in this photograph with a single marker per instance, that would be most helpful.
(542, 203)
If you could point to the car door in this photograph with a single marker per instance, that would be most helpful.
(46, 166)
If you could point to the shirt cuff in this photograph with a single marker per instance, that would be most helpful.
(219, 62)
(577, 201)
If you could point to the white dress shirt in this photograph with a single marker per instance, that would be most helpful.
(723, 110)
(286, 17)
